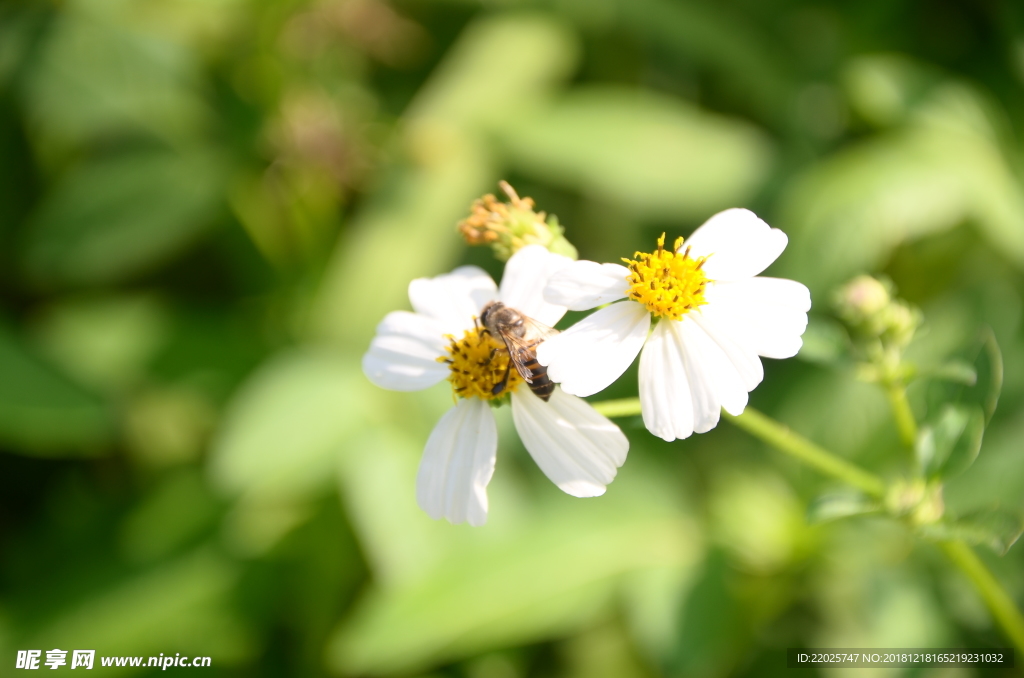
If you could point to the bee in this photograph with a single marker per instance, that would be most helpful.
(521, 336)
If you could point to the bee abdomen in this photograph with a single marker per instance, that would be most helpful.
(541, 385)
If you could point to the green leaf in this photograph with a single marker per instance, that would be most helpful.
(281, 439)
(989, 367)
(523, 589)
(544, 565)
(973, 380)
(713, 625)
(104, 341)
(282, 432)
(995, 528)
(19, 24)
(839, 215)
(112, 218)
(660, 156)
(885, 88)
(948, 446)
(728, 45)
(173, 514)
(42, 411)
(955, 371)
(92, 77)
(534, 55)
(941, 168)
(840, 505)
(184, 604)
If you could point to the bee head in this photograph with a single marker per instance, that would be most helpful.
(489, 313)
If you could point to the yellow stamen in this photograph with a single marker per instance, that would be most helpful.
(668, 282)
(478, 362)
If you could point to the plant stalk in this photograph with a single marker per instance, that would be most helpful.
(906, 424)
(780, 437)
(624, 407)
(795, 445)
(999, 603)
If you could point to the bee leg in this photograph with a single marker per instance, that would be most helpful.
(500, 386)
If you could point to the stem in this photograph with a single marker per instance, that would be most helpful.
(785, 440)
(625, 407)
(780, 437)
(1003, 609)
(905, 422)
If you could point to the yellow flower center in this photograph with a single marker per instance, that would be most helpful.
(478, 363)
(668, 282)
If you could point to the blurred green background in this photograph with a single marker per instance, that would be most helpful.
(207, 205)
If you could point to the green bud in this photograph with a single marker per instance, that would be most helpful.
(862, 299)
(872, 312)
(917, 501)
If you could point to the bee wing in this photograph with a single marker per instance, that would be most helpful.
(522, 350)
(537, 332)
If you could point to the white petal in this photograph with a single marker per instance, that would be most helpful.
(714, 382)
(767, 314)
(585, 284)
(771, 332)
(738, 244)
(577, 448)
(763, 291)
(457, 464)
(403, 356)
(739, 353)
(594, 352)
(453, 298)
(665, 399)
(522, 285)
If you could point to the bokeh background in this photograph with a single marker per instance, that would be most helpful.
(207, 205)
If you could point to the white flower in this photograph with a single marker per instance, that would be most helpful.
(715, 319)
(577, 448)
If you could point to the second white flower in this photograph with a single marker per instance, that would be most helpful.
(715, 318)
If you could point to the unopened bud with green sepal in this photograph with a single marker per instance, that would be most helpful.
(870, 309)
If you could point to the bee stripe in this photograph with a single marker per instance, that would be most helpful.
(541, 386)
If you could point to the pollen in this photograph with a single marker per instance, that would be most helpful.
(669, 283)
(478, 363)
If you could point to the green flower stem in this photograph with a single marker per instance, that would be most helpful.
(785, 440)
(780, 437)
(905, 422)
(1003, 609)
(626, 407)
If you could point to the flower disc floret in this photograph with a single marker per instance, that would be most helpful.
(668, 282)
(478, 362)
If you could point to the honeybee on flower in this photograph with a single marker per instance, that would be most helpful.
(444, 338)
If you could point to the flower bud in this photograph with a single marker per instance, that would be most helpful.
(872, 312)
(509, 226)
(862, 299)
(917, 501)
(901, 322)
